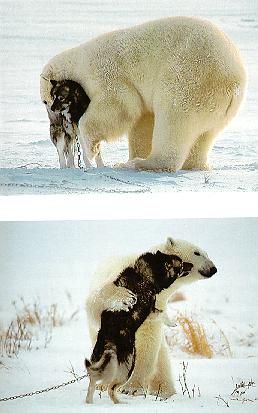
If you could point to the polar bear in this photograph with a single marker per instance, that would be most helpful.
(152, 370)
(171, 85)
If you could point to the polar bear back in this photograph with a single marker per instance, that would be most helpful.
(179, 52)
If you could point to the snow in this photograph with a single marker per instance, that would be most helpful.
(56, 260)
(33, 32)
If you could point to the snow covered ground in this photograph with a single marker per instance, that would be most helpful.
(32, 32)
(55, 260)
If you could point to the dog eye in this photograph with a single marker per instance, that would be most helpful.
(61, 98)
(197, 253)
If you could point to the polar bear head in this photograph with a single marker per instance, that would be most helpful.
(202, 266)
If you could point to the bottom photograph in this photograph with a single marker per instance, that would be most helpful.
(146, 314)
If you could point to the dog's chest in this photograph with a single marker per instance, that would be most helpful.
(69, 127)
(67, 115)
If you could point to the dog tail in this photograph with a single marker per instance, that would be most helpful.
(109, 354)
(87, 363)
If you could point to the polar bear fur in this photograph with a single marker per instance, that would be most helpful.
(171, 85)
(152, 368)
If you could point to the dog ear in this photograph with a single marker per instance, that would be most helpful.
(177, 262)
(170, 242)
(53, 82)
(187, 266)
(159, 252)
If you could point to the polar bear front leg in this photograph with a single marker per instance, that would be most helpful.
(107, 118)
(140, 137)
(162, 382)
(148, 341)
(122, 300)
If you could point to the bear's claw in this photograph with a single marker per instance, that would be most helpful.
(123, 300)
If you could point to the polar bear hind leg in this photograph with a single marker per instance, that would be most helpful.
(140, 137)
(148, 341)
(162, 382)
(199, 153)
(173, 137)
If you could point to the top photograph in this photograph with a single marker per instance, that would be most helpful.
(128, 96)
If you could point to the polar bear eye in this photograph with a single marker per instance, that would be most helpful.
(197, 253)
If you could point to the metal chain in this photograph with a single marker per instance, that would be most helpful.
(79, 153)
(33, 393)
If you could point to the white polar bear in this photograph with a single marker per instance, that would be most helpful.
(152, 370)
(171, 84)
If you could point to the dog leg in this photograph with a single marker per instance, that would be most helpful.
(91, 390)
(112, 389)
(60, 146)
(70, 151)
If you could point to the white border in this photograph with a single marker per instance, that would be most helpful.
(129, 206)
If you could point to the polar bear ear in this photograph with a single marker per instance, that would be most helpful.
(170, 242)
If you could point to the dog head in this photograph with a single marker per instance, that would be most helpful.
(164, 269)
(62, 95)
(68, 95)
(172, 267)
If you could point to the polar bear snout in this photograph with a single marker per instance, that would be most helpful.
(207, 273)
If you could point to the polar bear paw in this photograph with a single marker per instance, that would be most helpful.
(122, 300)
(164, 391)
(133, 389)
(150, 164)
(126, 165)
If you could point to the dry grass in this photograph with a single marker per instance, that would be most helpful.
(16, 337)
(190, 391)
(32, 327)
(190, 336)
(196, 338)
(242, 393)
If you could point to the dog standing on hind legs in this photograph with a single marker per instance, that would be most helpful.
(113, 358)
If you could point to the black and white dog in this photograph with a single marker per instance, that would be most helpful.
(113, 358)
(69, 103)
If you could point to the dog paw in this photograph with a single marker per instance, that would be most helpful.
(123, 300)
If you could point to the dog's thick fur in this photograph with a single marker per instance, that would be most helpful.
(152, 372)
(69, 103)
(113, 358)
(62, 135)
(171, 84)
